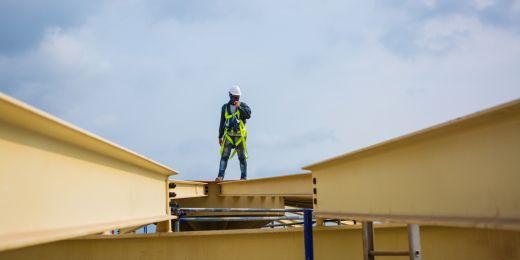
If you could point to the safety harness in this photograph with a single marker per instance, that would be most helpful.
(241, 130)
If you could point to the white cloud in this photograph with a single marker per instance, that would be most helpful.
(62, 48)
(430, 3)
(443, 34)
(482, 4)
(321, 78)
(516, 6)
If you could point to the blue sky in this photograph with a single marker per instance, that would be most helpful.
(322, 77)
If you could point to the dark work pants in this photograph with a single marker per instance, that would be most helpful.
(228, 148)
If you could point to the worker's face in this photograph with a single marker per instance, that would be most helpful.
(234, 98)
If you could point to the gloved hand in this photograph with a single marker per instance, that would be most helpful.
(220, 141)
(236, 103)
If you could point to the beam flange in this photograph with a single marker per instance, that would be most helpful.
(294, 185)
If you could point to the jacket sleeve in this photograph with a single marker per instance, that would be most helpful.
(245, 111)
(221, 127)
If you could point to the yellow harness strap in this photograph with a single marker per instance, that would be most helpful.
(227, 137)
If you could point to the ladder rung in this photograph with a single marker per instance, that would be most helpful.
(389, 253)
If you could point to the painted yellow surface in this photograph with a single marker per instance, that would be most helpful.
(188, 189)
(24, 116)
(213, 200)
(58, 182)
(463, 173)
(329, 243)
(288, 185)
(55, 177)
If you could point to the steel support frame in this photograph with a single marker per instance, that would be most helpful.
(214, 200)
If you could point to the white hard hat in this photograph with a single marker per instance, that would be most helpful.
(235, 91)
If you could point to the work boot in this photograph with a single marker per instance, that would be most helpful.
(243, 179)
(219, 179)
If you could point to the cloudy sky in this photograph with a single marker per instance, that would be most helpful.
(322, 77)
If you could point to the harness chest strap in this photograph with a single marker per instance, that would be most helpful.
(243, 133)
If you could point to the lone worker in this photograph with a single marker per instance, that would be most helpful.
(232, 133)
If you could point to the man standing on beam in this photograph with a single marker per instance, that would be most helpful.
(232, 133)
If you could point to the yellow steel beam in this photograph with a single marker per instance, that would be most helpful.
(213, 200)
(23, 116)
(329, 243)
(29, 238)
(188, 189)
(462, 173)
(58, 181)
(295, 185)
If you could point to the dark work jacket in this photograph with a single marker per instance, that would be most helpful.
(245, 113)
